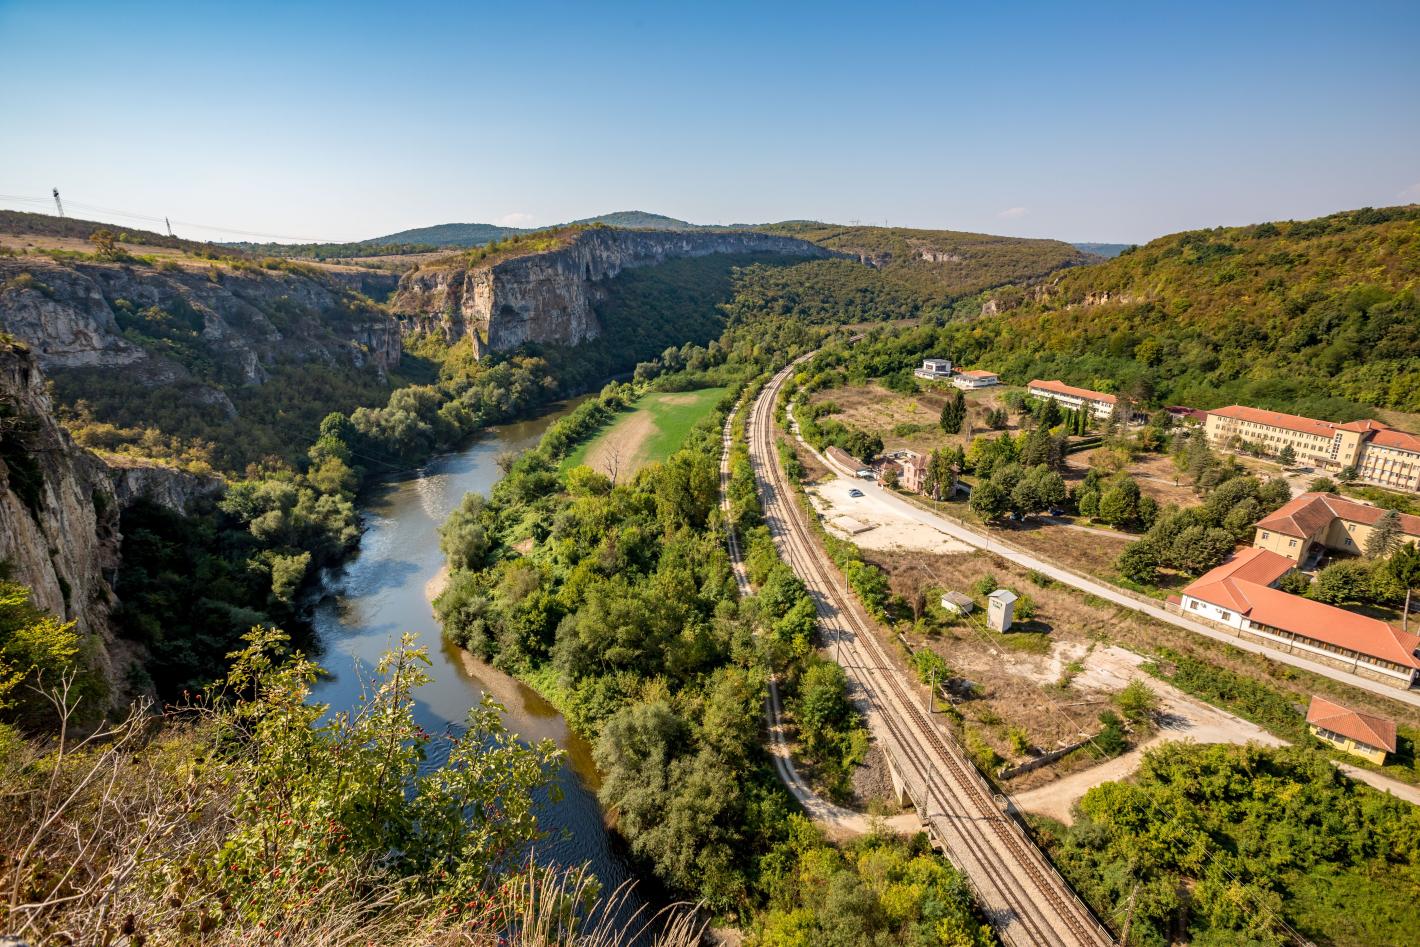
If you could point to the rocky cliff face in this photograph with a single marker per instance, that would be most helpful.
(58, 511)
(233, 323)
(548, 297)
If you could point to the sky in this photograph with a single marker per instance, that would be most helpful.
(340, 121)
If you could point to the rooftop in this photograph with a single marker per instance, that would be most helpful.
(1241, 585)
(1371, 431)
(1059, 387)
(1363, 728)
(1304, 516)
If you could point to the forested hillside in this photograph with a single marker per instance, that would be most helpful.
(939, 266)
(1316, 316)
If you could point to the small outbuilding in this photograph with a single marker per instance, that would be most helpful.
(1364, 735)
(958, 603)
(1000, 609)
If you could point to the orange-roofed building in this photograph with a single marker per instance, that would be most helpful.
(976, 378)
(1241, 594)
(1378, 452)
(1312, 523)
(1098, 403)
(1364, 735)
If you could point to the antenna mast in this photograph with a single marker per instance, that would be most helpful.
(170, 226)
(58, 203)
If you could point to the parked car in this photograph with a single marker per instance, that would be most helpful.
(1056, 511)
(867, 474)
(855, 492)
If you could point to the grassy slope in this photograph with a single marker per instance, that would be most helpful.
(672, 415)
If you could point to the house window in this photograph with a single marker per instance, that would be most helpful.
(1227, 616)
(1266, 534)
(1293, 544)
(1193, 604)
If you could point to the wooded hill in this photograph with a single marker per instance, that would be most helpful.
(939, 266)
(1319, 317)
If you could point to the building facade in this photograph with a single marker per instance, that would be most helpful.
(1241, 594)
(1364, 735)
(1312, 524)
(976, 378)
(934, 368)
(1098, 403)
(1378, 452)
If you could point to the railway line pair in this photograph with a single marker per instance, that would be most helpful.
(1024, 897)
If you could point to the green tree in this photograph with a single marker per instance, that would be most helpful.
(1287, 456)
(990, 501)
(1404, 566)
(1385, 535)
(954, 412)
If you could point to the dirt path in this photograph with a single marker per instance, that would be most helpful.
(619, 454)
(1181, 717)
(837, 821)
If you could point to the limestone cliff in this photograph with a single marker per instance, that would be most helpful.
(58, 512)
(204, 326)
(548, 297)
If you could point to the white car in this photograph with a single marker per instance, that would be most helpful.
(867, 474)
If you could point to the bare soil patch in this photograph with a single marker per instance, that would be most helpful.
(874, 408)
(618, 454)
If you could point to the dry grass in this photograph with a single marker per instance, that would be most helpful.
(874, 408)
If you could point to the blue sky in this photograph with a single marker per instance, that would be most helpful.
(347, 120)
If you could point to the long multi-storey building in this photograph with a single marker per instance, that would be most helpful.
(1242, 594)
(1378, 453)
(1098, 403)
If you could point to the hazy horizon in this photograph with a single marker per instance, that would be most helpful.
(1110, 124)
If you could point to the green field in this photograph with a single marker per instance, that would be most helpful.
(649, 433)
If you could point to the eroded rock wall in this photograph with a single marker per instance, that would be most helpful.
(548, 297)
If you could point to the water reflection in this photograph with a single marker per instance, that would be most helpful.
(382, 593)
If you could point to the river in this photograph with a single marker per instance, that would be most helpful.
(382, 592)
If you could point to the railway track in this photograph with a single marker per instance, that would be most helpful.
(1024, 897)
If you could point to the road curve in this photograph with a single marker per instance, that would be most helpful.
(1022, 895)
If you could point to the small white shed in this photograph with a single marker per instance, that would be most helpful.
(1000, 608)
(958, 603)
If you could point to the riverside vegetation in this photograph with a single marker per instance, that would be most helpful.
(618, 602)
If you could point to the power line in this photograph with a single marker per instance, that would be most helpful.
(129, 215)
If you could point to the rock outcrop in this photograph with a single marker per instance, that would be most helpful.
(548, 297)
(58, 512)
(238, 321)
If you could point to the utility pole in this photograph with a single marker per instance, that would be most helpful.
(58, 203)
(170, 226)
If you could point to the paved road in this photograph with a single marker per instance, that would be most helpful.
(1155, 610)
(1020, 892)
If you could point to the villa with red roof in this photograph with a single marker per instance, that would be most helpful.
(1379, 453)
(1316, 522)
(1241, 595)
(976, 378)
(1098, 403)
(1364, 735)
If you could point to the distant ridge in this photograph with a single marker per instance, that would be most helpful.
(1107, 250)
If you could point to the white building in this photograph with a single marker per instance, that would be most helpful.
(975, 378)
(1241, 594)
(934, 368)
(1098, 403)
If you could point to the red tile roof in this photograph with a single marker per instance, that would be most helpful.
(1219, 585)
(1371, 430)
(1363, 728)
(1306, 515)
(1059, 387)
(1400, 440)
(977, 373)
(1240, 585)
(1290, 422)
